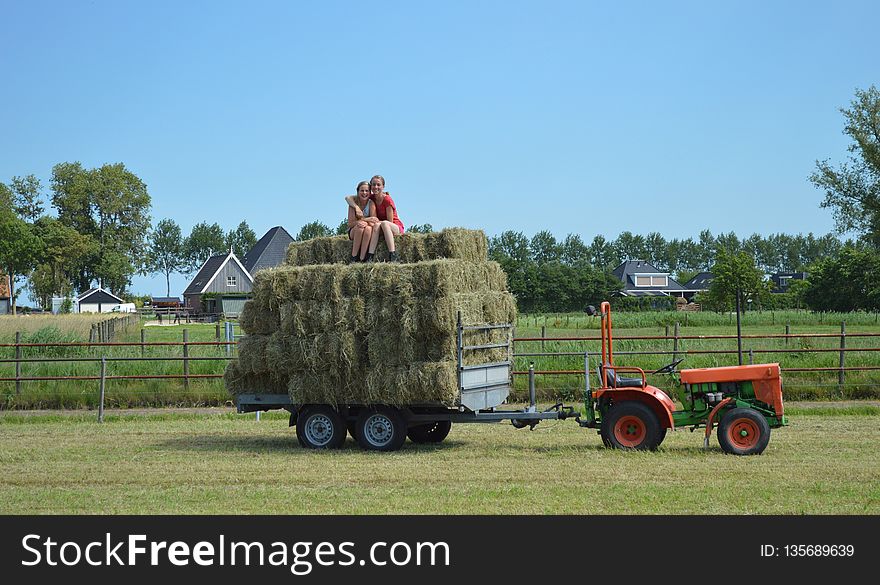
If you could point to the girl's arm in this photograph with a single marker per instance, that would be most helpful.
(352, 218)
(350, 199)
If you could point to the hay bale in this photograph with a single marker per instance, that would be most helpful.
(457, 243)
(238, 382)
(376, 333)
(415, 383)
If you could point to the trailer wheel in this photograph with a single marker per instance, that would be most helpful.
(433, 432)
(632, 425)
(743, 431)
(380, 429)
(320, 427)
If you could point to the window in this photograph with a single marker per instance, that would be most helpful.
(230, 281)
(651, 280)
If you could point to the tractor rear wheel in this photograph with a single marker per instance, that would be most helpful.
(433, 432)
(632, 425)
(743, 431)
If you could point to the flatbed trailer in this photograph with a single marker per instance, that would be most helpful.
(482, 389)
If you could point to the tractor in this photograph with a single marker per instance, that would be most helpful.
(744, 401)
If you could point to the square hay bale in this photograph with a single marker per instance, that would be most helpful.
(416, 383)
(257, 319)
(238, 382)
(457, 243)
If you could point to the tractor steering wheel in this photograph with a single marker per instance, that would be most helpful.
(668, 368)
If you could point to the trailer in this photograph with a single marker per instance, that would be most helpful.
(745, 402)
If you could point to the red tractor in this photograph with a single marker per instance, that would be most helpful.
(744, 401)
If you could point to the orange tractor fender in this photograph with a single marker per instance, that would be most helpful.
(652, 397)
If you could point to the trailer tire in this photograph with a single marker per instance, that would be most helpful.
(380, 428)
(433, 432)
(319, 426)
(743, 431)
(632, 425)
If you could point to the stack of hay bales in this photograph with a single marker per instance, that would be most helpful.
(327, 331)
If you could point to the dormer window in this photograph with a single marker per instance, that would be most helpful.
(231, 281)
(651, 279)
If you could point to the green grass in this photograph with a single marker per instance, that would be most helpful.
(190, 464)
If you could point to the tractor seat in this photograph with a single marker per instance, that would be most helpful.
(615, 381)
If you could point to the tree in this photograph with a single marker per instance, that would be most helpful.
(165, 251)
(342, 228)
(849, 281)
(19, 249)
(852, 190)
(603, 253)
(735, 273)
(416, 228)
(203, 242)
(111, 204)
(574, 251)
(241, 239)
(315, 229)
(63, 252)
(27, 197)
(544, 248)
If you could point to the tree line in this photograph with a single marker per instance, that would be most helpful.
(94, 227)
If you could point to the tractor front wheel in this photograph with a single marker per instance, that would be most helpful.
(743, 431)
(631, 425)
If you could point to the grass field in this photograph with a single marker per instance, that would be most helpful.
(825, 462)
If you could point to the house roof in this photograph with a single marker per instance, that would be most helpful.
(270, 250)
(209, 271)
(630, 268)
(700, 281)
(93, 291)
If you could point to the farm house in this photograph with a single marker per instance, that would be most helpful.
(222, 285)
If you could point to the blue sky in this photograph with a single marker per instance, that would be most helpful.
(577, 117)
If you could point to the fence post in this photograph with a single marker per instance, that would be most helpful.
(787, 333)
(17, 362)
(666, 335)
(143, 341)
(543, 331)
(217, 334)
(185, 360)
(751, 357)
(841, 374)
(93, 334)
(675, 343)
(103, 377)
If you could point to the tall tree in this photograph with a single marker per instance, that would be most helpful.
(544, 247)
(574, 251)
(63, 252)
(852, 190)
(111, 204)
(19, 249)
(28, 197)
(165, 251)
(315, 229)
(204, 241)
(735, 273)
(241, 239)
(603, 253)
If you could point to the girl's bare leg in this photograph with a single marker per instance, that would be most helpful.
(357, 237)
(365, 241)
(374, 239)
(389, 230)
